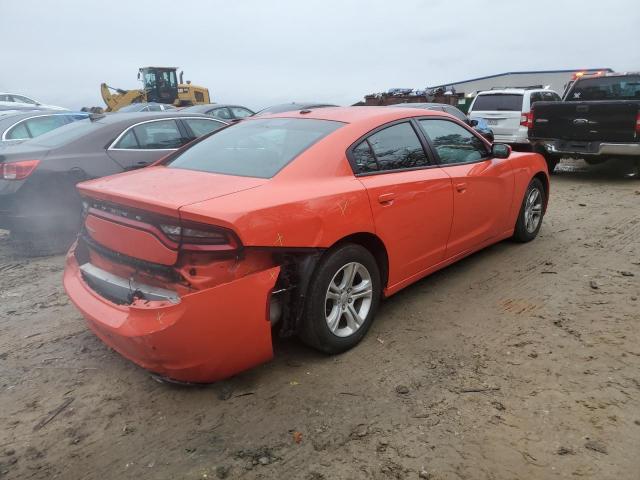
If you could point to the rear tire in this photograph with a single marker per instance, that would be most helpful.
(531, 212)
(343, 298)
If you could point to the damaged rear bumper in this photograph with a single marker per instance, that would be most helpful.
(200, 337)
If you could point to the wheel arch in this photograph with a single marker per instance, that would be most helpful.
(376, 246)
(545, 183)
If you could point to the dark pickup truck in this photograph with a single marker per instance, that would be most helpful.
(598, 119)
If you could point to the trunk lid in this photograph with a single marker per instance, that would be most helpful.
(164, 190)
(604, 121)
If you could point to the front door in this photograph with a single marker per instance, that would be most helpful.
(482, 185)
(411, 199)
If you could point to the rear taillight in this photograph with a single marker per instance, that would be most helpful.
(526, 119)
(18, 170)
(200, 237)
(638, 123)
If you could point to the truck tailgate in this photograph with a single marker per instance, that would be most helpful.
(605, 121)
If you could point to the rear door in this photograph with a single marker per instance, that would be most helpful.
(411, 199)
(482, 185)
(144, 143)
(502, 111)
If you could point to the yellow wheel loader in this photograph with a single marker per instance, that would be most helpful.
(160, 85)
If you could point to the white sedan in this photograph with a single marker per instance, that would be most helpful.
(20, 101)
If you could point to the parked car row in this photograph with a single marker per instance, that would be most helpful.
(39, 203)
(297, 219)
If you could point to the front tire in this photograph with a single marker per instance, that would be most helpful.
(343, 298)
(531, 212)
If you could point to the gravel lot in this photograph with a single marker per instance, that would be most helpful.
(518, 362)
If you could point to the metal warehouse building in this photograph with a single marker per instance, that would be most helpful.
(556, 80)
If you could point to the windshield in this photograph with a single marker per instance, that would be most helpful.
(498, 102)
(255, 148)
(66, 134)
(606, 88)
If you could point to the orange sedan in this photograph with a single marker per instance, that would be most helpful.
(295, 223)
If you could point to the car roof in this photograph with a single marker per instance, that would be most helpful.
(209, 106)
(124, 117)
(421, 105)
(353, 115)
(295, 106)
(12, 117)
(519, 91)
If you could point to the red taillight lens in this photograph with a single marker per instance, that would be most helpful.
(200, 237)
(638, 123)
(18, 170)
(526, 119)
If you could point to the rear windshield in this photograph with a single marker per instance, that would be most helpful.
(66, 134)
(606, 88)
(498, 102)
(254, 148)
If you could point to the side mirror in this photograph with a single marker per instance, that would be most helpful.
(473, 123)
(500, 150)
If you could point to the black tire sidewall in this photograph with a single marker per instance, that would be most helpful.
(314, 329)
(521, 233)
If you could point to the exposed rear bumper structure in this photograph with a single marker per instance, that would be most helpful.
(200, 337)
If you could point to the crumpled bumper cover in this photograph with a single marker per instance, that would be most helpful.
(208, 336)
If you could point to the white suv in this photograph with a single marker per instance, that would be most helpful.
(508, 112)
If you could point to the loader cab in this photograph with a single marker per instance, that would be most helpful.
(160, 84)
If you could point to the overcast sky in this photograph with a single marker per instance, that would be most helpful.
(260, 52)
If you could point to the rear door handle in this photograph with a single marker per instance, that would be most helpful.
(387, 198)
(461, 187)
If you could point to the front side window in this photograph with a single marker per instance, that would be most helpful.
(221, 113)
(21, 99)
(394, 148)
(254, 148)
(163, 134)
(201, 126)
(453, 143)
(492, 102)
(239, 112)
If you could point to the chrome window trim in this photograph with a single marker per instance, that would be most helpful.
(4, 135)
(115, 142)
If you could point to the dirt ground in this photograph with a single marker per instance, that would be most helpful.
(518, 362)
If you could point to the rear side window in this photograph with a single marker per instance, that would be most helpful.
(18, 132)
(34, 127)
(201, 126)
(492, 102)
(395, 148)
(453, 143)
(254, 148)
(40, 125)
